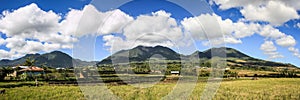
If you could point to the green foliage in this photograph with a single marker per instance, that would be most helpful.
(4, 71)
(29, 62)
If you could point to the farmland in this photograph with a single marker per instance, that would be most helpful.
(242, 89)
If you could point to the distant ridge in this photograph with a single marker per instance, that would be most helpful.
(142, 53)
(233, 56)
(52, 59)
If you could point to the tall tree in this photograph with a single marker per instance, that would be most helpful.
(29, 62)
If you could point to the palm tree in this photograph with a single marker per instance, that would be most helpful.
(29, 62)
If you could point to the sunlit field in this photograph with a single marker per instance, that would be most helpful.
(242, 89)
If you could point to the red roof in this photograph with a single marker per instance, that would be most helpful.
(33, 69)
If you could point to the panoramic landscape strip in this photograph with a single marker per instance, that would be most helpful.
(149, 49)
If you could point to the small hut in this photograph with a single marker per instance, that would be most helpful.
(175, 73)
(33, 70)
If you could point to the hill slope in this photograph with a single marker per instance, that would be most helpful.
(234, 57)
(53, 59)
(141, 53)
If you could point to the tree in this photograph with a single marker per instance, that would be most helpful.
(29, 62)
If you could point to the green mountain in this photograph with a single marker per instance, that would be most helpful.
(53, 59)
(141, 53)
(234, 57)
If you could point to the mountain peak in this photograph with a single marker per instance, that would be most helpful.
(52, 59)
(29, 55)
(141, 53)
(57, 52)
(226, 52)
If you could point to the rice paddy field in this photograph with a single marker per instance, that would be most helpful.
(241, 89)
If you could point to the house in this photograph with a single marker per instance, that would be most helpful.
(60, 68)
(227, 69)
(26, 70)
(16, 71)
(33, 70)
(21, 67)
(176, 73)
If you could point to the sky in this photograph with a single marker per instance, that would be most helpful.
(264, 29)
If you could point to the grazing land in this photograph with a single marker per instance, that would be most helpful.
(241, 89)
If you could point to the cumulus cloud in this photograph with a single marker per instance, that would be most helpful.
(28, 22)
(269, 31)
(222, 41)
(295, 51)
(158, 22)
(2, 41)
(116, 43)
(286, 41)
(19, 46)
(205, 26)
(298, 25)
(269, 49)
(158, 28)
(91, 21)
(242, 29)
(217, 30)
(276, 12)
(5, 54)
(227, 4)
(29, 29)
(268, 46)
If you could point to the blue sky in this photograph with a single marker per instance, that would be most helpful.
(251, 44)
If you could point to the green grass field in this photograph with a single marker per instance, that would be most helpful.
(272, 88)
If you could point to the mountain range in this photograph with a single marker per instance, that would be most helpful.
(142, 53)
(233, 56)
(53, 59)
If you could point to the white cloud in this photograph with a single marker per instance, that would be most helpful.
(270, 32)
(268, 46)
(91, 21)
(275, 55)
(295, 51)
(28, 22)
(286, 41)
(227, 4)
(20, 47)
(158, 23)
(242, 30)
(298, 25)
(222, 41)
(157, 28)
(29, 29)
(215, 26)
(2, 41)
(238, 29)
(206, 26)
(269, 49)
(15, 43)
(232, 31)
(5, 54)
(233, 40)
(51, 46)
(276, 12)
(117, 43)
